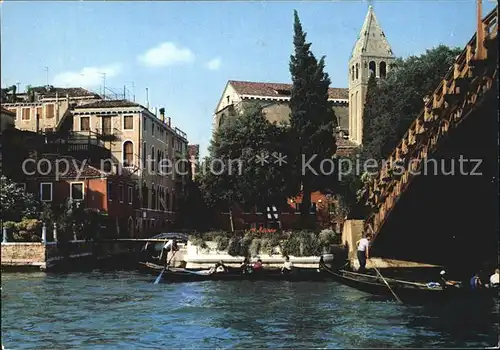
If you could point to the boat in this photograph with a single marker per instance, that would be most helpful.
(232, 274)
(406, 291)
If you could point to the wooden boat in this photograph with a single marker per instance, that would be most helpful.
(186, 275)
(406, 291)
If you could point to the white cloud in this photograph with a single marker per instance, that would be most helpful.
(166, 54)
(87, 77)
(214, 64)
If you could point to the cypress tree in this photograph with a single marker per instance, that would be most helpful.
(312, 118)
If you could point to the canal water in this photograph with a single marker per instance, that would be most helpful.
(103, 310)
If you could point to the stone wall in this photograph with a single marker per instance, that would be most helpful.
(23, 254)
(49, 255)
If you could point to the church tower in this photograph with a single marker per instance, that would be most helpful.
(372, 54)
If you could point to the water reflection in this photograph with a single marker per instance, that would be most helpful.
(124, 309)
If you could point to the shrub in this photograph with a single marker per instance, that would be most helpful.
(255, 247)
(222, 242)
(198, 241)
(233, 248)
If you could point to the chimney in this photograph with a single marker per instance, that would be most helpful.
(162, 114)
(168, 121)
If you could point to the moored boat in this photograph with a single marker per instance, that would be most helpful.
(406, 291)
(232, 274)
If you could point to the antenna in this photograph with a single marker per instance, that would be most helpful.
(103, 85)
(47, 71)
(133, 90)
(147, 98)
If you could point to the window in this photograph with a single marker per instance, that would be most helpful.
(76, 191)
(371, 67)
(49, 111)
(167, 200)
(130, 194)
(152, 158)
(145, 193)
(128, 153)
(14, 110)
(352, 72)
(128, 122)
(84, 123)
(120, 193)
(106, 125)
(357, 70)
(152, 128)
(46, 192)
(110, 191)
(144, 155)
(158, 159)
(26, 113)
(145, 125)
(383, 69)
(39, 112)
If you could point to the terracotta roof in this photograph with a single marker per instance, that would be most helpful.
(6, 111)
(345, 143)
(194, 150)
(278, 89)
(63, 92)
(74, 168)
(108, 104)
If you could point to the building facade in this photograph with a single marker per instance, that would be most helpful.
(44, 109)
(146, 146)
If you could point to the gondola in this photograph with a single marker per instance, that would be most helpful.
(406, 291)
(186, 275)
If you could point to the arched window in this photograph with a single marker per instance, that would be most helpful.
(152, 158)
(352, 72)
(128, 153)
(372, 68)
(357, 70)
(383, 69)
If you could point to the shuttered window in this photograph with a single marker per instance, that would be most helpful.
(49, 111)
(84, 123)
(26, 113)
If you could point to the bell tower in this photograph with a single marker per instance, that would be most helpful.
(372, 54)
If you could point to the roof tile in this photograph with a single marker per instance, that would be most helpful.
(278, 89)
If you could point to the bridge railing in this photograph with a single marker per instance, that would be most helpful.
(445, 106)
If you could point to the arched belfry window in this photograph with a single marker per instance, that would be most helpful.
(357, 70)
(383, 69)
(372, 68)
(128, 153)
(352, 72)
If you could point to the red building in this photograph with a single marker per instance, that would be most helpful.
(55, 179)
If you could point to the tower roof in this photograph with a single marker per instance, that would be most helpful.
(372, 40)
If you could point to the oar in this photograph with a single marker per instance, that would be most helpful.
(157, 280)
(387, 284)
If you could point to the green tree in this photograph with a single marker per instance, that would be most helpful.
(241, 167)
(15, 202)
(312, 119)
(395, 102)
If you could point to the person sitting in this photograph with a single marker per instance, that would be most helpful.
(245, 267)
(219, 267)
(257, 267)
(494, 279)
(287, 266)
(447, 283)
(475, 281)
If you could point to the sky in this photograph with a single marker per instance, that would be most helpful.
(185, 52)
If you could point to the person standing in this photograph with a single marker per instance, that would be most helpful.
(494, 279)
(363, 252)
